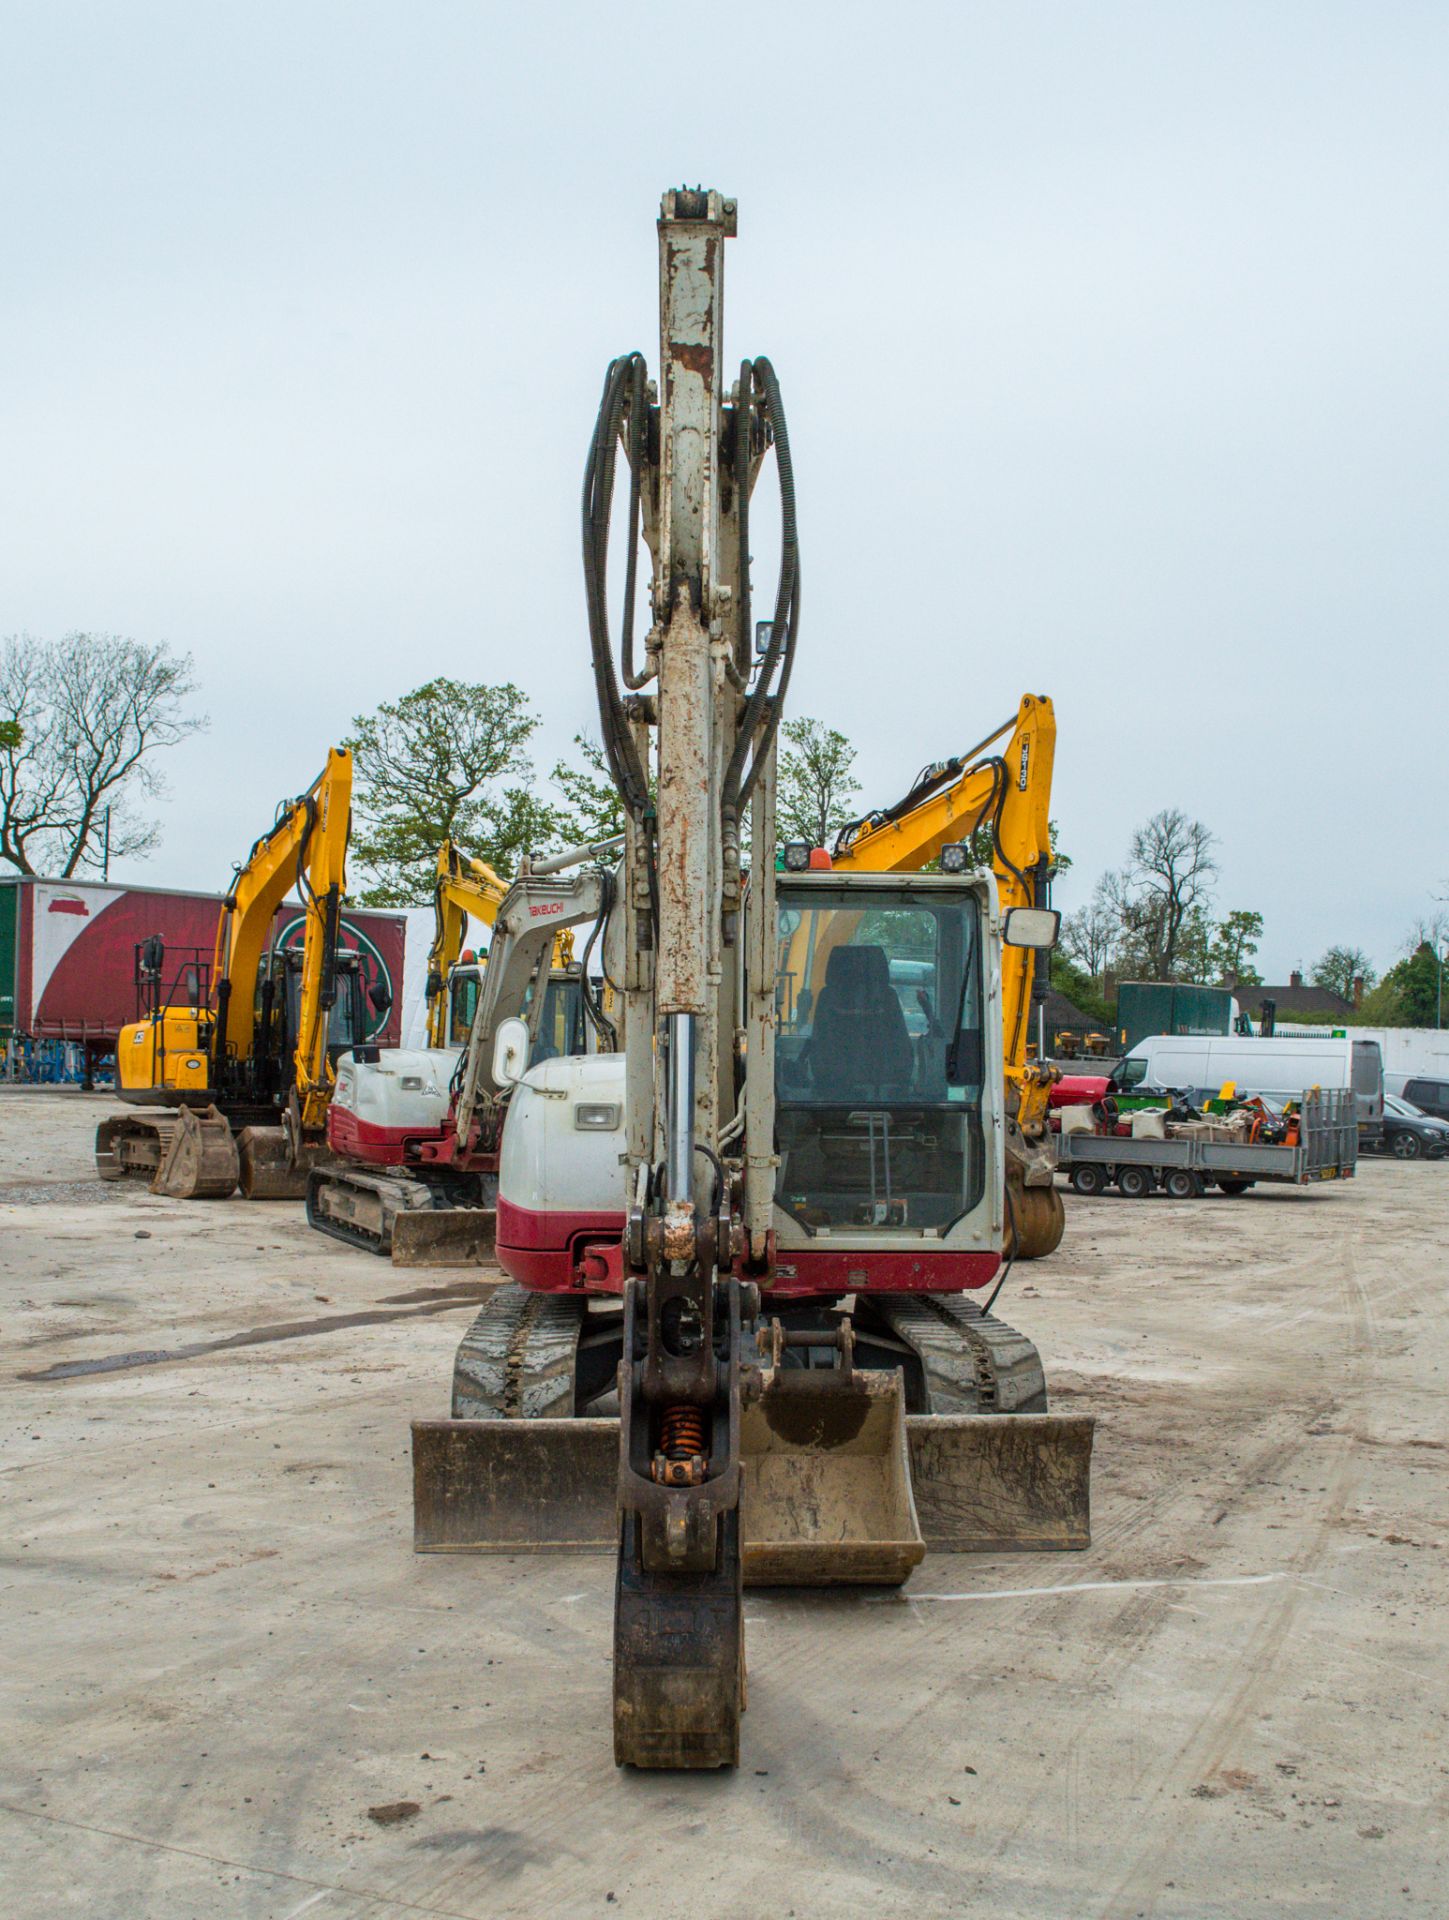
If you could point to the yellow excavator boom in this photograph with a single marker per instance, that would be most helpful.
(307, 847)
(1007, 793)
(465, 887)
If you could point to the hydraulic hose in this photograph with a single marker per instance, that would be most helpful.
(622, 406)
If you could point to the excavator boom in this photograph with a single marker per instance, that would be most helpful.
(1000, 794)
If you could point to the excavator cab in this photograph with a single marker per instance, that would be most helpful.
(879, 1055)
(279, 1012)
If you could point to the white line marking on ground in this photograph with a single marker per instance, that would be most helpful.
(1099, 1586)
(311, 1901)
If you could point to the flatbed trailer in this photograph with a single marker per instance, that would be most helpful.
(1327, 1149)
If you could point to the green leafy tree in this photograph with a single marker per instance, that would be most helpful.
(592, 809)
(1080, 988)
(1340, 967)
(447, 761)
(814, 782)
(1234, 942)
(81, 719)
(1408, 994)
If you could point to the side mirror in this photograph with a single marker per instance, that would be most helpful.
(510, 1052)
(1031, 927)
(380, 996)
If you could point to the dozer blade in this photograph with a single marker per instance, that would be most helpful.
(981, 1483)
(1002, 1483)
(444, 1237)
(200, 1160)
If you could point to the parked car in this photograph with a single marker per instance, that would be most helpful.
(1412, 1134)
(1429, 1093)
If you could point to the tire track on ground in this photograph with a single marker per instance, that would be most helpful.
(1206, 1750)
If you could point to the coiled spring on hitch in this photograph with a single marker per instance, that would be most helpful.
(680, 1461)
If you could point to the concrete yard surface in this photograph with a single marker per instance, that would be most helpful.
(232, 1690)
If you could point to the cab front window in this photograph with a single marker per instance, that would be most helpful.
(879, 1058)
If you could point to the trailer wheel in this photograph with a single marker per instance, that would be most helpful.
(1088, 1178)
(1182, 1183)
(1135, 1183)
(1232, 1188)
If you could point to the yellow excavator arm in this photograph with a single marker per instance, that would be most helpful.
(307, 847)
(464, 887)
(1007, 794)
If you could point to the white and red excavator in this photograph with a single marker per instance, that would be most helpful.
(746, 1245)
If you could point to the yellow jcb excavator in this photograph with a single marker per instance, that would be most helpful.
(1005, 791)
(244, 1062)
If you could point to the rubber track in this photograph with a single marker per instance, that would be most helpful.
(973, 1362)
(517, 1361)
(398, 1188)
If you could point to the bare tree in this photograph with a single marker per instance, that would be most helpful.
(1340, 967)
(1171, 870)
(79, 718)
(1090, 935)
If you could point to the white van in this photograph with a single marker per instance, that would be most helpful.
(1281, 1067)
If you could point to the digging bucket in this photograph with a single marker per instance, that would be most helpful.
(267, 1170)
(200, 1159)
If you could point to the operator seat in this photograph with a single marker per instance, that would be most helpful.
(859, 1046)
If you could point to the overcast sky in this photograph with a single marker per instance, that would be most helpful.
(1113, 340)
